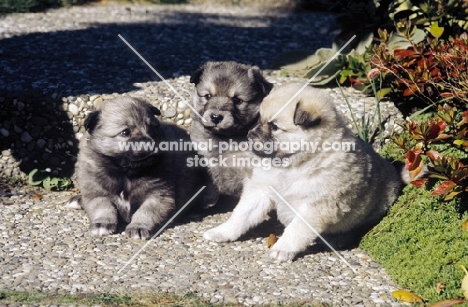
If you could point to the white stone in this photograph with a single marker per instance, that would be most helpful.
(73, 108)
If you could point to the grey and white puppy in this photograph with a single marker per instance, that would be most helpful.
(138, 186)
(334, 186)
(227, 95)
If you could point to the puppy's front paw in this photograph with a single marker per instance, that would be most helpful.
(208, 203)
(210, 199)
(283, 251)
(138, 231)
(102, 228)
(220, 234)
(74, 203)
(282, 256)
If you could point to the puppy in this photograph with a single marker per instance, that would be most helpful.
(227, 95)
(334, 187)
(122, 173)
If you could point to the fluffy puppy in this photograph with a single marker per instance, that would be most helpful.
(334, 185)
(227, 95)
(122, 173)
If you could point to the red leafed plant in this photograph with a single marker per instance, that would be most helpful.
(420, 141)
(424, 72)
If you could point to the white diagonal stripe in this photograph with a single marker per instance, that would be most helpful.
(161, 77)
(160, 230)
(313, 77)
(313, 229)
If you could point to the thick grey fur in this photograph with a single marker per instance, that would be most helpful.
(227, 83)
(140, 188)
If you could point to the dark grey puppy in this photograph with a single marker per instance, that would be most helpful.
(138, 185)
(227, 95)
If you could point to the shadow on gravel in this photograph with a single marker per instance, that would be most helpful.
(42, 73)
(340, 242)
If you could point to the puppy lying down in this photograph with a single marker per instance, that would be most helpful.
(336, 185)
(123, 174)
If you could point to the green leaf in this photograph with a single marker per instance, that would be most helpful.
(406, 296)
(399, 41)
(326, 75)
(383, 92)
(464, 285)
(36, 177)
(435, 30)
(422, 111)
(418, 36)
(46, 183)
(343, 77)
(65, 183)
(302, 61)
(54, 182)
(363, 44)
(465, 225)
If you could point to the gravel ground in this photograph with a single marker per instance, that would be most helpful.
(59, 65)
(45, 246)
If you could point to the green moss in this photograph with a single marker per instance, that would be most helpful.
(109, 299)
(420, 243)
(137, 299)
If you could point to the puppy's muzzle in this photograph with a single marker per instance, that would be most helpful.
(252, 136)
(255, 135)
(216, 118)
(259, 133)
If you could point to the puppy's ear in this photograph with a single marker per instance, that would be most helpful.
(195, 77)
(91, 121)
(305, 115)
(256, 74)
(155, 110)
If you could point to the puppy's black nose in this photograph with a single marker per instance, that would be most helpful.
(216, 118)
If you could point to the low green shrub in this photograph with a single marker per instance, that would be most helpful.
(421, 243)
(51, 183)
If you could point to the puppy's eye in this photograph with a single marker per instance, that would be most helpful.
(125, 132)
(273, 126)
(236, 100)
(208, 96)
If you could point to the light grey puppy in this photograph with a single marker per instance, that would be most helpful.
(227, 95)
(139, 186)
(335, 185)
